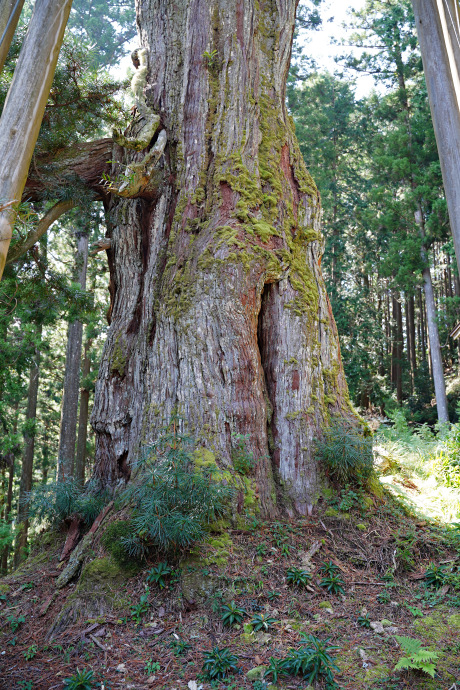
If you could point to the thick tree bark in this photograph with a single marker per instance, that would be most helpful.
(25, 104)
(27, 459)
(83, 416)
(438, 32)
(68, 430)
(219, 309)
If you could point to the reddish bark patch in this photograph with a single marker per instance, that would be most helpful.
(73, 535)
(240, 23)
(286, 167)
(295, 380)
(228, 203)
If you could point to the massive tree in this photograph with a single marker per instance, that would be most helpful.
(218, 307)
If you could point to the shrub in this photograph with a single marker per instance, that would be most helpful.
(447, 462)
(311, 661)
(173, 499)
(218, 662)
(435, 576)
(55, 502)
(262, 622)
(346, 453)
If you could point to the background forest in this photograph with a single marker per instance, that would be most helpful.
(375, 162)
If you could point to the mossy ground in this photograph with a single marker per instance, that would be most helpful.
(247, 565)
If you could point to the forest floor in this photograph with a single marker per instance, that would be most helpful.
(366, 541)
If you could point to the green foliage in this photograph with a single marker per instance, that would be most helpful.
(333, 583)
(298, 577)
(159, 574)
(384, 597)
(232, 614)
(262, 622)
(276, 667)
(218, 662)
(447, 461)
(328, 568)
(15, 622)
(81, 680)
(242, 459)
(180, 646)
(364, 621)
(312, 661)
(435, 576)
(8, 533)
(55, 502)
(418, 658)
(346, 453)
(141, 608)
(30, 652)
(175, 499)
(151, 667)
(273, 595)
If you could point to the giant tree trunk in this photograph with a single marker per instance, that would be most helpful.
(219, 309)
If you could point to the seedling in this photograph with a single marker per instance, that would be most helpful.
(297, 577)
(15, 622)
(232, 614)
(364, 621)
(218, 662)
(329, 568)
(180, 646)
(81, 680)
(262, 622)
(275, 669)
(138, 610)
(333, 584)
(272, 595)
(151, 667)
(435, 576)
(159, 574)
(30, 652)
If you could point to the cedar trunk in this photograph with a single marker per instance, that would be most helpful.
(218, 306)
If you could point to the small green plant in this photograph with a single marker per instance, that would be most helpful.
(15, 622)
(218, 662)
(384, 597)
(416, 612)
(159, 574)
(312, 660)
(298, 577)
(140, 609)
(210, 57)
(261, 549)
(30, 652)
(25, 685)
(232, 614)
(81, 680)
(286, 550)
(176, 499)
(152, 667)
(435, 576)
(180, 646)
(346, 453)
(364, 621)
(273, 595)
(417, 658)
(243, 460)
(276, 667)
(262, 622)
(329, 568)
(333, 584)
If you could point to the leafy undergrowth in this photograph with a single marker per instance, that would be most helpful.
(267, 596)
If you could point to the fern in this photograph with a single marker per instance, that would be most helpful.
(418, 658)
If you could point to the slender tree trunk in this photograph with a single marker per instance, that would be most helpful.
(438, 32)
(411, 332)
(68, 431)
(7, 514)
(422, 324)
(83, 416)
(435, 347)
(10, 11)
(27, 459)
(219, 309)
(25, 104)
